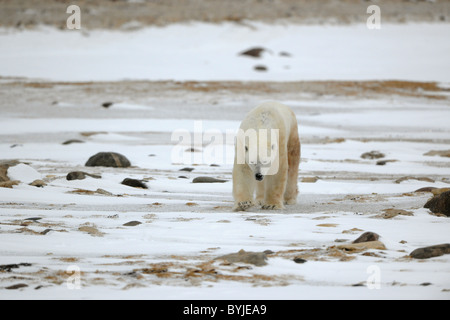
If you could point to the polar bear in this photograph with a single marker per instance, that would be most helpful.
(267, 156)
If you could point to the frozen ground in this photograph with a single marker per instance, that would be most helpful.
(184, 226)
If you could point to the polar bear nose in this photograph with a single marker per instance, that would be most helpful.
(259, 176)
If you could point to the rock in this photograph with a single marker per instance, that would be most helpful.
(366, 237)
(372, 155)
(441, 153)
(80, 175)
(207, 180)
(108, 159)
(299, 260)
(134, 183)
(107, 104)
(425, 189)
(260, 67)
(414, 178)
(431, 251)
(8, 267)
(440, 203)
(187, 169)
(256, 258)
(72, 141)
(358, 247)
(17, 286)
(253, 52)
(132, 223)
(383, 162)
(38, 183)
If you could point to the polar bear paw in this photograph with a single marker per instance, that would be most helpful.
(243, 205)
(273, 206)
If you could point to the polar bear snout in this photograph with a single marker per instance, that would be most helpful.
(259, 176)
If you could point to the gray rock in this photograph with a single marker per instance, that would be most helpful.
(108, 159)
(431, 251)
(132, 223)
(207, 180)
(134, 183)
(253, 52)
(80, 175)
(440, 203)
(366, 237)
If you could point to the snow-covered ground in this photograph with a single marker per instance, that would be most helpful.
(184, 226)
(201, 51)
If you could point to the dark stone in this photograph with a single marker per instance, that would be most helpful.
(439, 203)
(108, 159)
(431, 251)
(72, 141)
(107, 104)
(8, 267)
(207, 180)
(187, 169)
(132, 223)
(260, 67)
(299, 260)
(366, 237)
(17, 286)
(80, 175)
(425, 189)
(253, 52)
(134, 183)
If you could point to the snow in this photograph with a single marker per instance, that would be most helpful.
(185, 225)
(199, 51)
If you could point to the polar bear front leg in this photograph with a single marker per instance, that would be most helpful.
(275, 188)
(243, 187)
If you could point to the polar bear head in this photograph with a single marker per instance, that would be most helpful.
(259, 150)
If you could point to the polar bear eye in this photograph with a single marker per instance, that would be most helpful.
(246, 148)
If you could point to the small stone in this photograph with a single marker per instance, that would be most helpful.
(425, 189)
(414, 178)
(187, 169)
(132, 223)
(431, 251)
(92, 230)
(76, 175)
(299, 260)
(38, 183)
(108, 159)
(17, 286)
(107, 104)
(253, 52)
(366, 237)
(207, 180)
(72, 141)
(260, 67)
(372, 155)
(134, 183)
